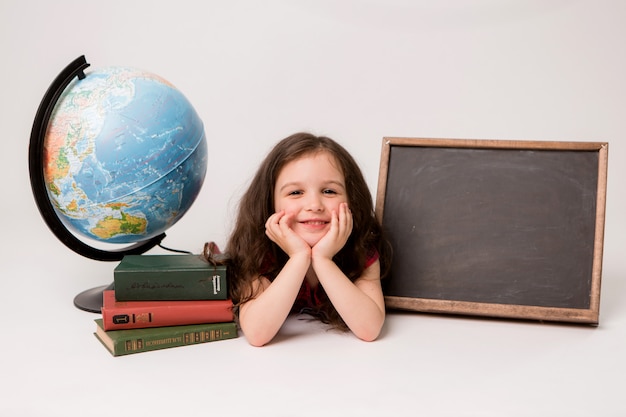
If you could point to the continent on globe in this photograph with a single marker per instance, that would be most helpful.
(126, 224)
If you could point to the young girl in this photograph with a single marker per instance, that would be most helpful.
(306, 240)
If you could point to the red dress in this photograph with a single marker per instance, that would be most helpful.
(310, 297)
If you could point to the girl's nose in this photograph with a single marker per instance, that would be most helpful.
(314, 203)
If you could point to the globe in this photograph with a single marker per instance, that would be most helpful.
(116, 155)
(124, 156)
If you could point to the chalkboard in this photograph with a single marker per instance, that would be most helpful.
(510, 229)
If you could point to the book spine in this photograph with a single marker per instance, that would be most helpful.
(127, 342)
(207, 284)
(175, 314)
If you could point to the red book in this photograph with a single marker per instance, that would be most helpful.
(119, 315)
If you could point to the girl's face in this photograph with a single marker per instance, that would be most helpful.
(309, 189)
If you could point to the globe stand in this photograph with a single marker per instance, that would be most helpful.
(90, 300)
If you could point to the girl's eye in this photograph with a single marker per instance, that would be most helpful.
(328, 191)
(297, 192)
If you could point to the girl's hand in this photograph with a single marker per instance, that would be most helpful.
(278, 229)
(337, 236)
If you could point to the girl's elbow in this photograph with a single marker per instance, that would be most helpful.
(256, 343)
(257, 338)
(369, 336)
(371, 333)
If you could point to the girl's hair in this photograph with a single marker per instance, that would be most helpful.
(250, 253)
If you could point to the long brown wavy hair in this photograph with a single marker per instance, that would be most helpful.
(250, 253)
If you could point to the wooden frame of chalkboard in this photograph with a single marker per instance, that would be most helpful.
(498, 228)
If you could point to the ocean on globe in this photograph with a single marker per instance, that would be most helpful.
(125, 155)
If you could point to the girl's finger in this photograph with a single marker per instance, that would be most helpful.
(349, 218)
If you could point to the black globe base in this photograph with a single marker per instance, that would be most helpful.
(91, 300)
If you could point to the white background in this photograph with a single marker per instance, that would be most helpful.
(257, 71)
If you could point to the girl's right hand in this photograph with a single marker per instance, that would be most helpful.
(278, 229)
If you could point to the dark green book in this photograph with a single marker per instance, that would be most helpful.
(168, 277)
(125, 342)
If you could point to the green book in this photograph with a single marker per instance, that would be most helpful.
(125, 342)
(168, 277)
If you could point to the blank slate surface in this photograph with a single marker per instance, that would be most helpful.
(497, 228)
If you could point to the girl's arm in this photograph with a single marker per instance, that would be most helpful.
(261, 317)
(360, 303)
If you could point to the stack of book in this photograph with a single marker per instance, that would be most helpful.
(163, 301)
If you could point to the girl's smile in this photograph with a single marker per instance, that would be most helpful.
(314, 224)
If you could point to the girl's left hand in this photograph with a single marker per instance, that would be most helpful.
(337, 236)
